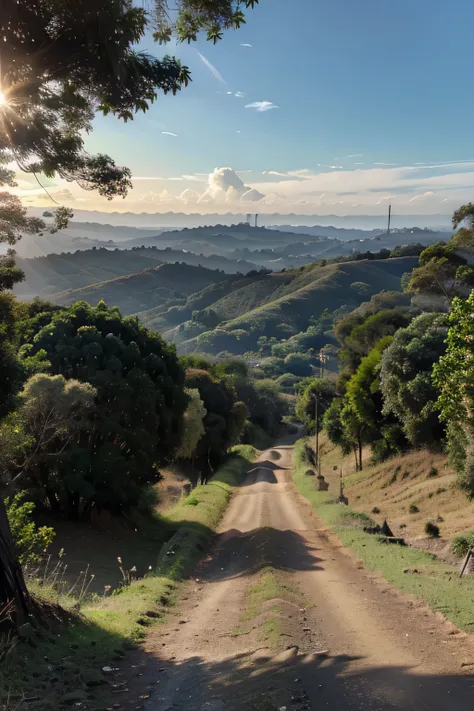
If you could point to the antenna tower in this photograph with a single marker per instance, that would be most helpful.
(389, 218)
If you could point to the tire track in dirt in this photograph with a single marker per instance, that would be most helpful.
(385, 650)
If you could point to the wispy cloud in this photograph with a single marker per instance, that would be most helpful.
(212, 68)
(239, 94)
(245, 44)
(262, 106)
(385, 164)
(430, 193)
(196, 177)
(355, 155)
(169, 133)
(148, 177)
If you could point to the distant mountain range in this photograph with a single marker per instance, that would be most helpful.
(172, 220)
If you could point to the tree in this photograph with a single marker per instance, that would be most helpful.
(311, 390)
(193, 427)
(364, 398)
(454, 378)
(221, 421)
(465, 213)
(140, 402)
(406, 382)
(61, 63)
(51, 413)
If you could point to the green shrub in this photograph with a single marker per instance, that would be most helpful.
(463, 543)
(358, 519)
(431, 529)
(413, 509)
(433, 472)
(31, 542)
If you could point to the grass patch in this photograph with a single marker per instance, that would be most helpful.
(72, 648)
(269, 587)
(438, 584)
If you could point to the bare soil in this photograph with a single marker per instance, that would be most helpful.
(353, 642)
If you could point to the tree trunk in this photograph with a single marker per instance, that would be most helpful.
(12, 583)
(360, 454)
(355, 457)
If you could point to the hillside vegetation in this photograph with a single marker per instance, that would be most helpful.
(166, 283)
(398, 419)
(281, 305)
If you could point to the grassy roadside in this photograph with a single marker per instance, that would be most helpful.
(61, 663)
(408, 569)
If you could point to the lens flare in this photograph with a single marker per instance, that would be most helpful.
(3, 98)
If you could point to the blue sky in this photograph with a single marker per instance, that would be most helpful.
(367, 90)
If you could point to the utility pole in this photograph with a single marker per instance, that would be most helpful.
(256, 220)
(389, 218)
(316, 436)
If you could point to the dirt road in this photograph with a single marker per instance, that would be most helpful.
(344, 640)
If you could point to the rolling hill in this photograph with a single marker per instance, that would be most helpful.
(281, 304)
(165, 284)
(60, 272)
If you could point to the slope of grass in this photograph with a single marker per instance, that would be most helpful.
(289, 299)
(408, 569)
(61, 662)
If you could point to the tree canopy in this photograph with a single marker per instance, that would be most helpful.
(140, 400)
(406, 378)
(454, 378)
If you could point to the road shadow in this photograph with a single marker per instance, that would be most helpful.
(266, 682)
(239, 553)
(262, 472)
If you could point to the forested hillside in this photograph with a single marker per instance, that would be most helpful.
(150, 288)
(281, 305)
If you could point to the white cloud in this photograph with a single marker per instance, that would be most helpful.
(430, 189)
(147, 177)
(354, 155)
(245, 44)
(169, 133)
(430, 193)
(262, 106)
(189, 197)
(196, 177)
(225, 186)
(212, 68)
(388, 164)
(239, 94)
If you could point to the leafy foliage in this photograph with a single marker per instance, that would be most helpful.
(140, 401)
(311, 390)
(193, 427)
(30, 540)
(194, 16)
(406, 382)
(454, 377)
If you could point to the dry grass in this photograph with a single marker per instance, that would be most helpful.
(419, 477)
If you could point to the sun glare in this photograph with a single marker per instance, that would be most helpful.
(3, 99)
